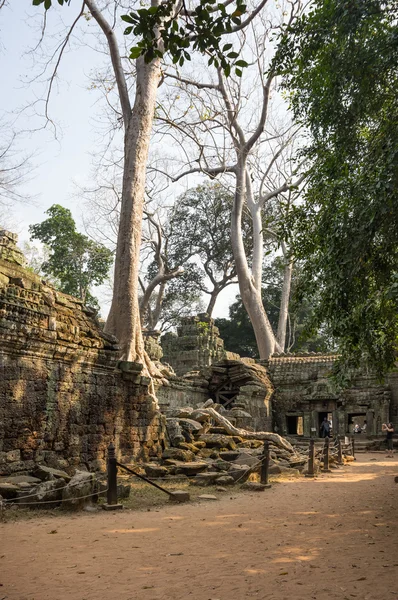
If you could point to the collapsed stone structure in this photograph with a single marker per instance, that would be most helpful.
(63, 394)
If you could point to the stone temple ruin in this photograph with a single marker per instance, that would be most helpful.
(64, 395)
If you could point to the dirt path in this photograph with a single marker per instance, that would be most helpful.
(334, 537)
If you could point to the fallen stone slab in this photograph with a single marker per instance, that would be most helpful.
(46, 495)
(190, 425)
(204, 479)
(240, 472)
(254, 486)
(191, 468)
(18, 479)
(182, 412)
(245, 458)
(46, 473)
(178, 454)
(222, 465)
(230, 455)
(225, 480)
(217, 440)
(79, 490)
(155, 470)
(200, 416)
(179, 496)
(8, 490)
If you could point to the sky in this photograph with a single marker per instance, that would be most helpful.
(62, 162)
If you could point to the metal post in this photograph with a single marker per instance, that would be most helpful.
(340, 452)
(326, 468)
(265, 465)
(311, 460)
(111, 495)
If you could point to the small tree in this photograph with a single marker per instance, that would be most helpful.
(201, 233)
(74, 260)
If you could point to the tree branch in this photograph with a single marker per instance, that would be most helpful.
(116, 59)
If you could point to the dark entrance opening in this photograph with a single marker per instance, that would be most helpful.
(356, 419)
(294, 425)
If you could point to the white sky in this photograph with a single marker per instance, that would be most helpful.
(63, 163)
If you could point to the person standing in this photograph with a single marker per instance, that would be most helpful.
(325, 428)
(389, 429)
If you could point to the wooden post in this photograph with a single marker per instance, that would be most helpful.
(326, 468)
(340, 453)
(353, 447)
(265, 465)
(311, 460)
(111, 495)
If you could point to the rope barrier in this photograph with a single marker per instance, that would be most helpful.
(57, 489)
(54, 501)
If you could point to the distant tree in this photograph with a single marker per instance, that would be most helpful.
(200, 232)
(75, 261)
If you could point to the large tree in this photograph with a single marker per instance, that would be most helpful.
(234, 135)
(340, 67)
(75, 262)
(174, 28)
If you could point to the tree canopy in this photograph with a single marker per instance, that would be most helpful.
(200, 232)
(75, 261)
(340, 70)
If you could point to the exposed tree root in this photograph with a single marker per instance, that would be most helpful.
(252, 435)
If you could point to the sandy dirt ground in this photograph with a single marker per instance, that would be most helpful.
(332, 537)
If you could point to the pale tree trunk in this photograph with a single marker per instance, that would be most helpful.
(258, 238)
(250, 293)
(124, 317)
(284, 305)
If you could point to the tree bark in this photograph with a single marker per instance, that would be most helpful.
(251, 295)
(124, 316)
(284, 305)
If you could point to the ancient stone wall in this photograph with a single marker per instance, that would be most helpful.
(197, 345)
(305, 391)
(63, 394)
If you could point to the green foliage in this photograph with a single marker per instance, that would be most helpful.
(339, 64)
(75, 261)
(161, 30)
(202, 29)
(199, 237)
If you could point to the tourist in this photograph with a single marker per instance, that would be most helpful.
(325, 428)
(357, 428)
(389, 429)
(364, 426)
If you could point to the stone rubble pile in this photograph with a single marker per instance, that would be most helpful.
(48, 488)
(209, 454)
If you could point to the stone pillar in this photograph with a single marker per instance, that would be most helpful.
(307, 424)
